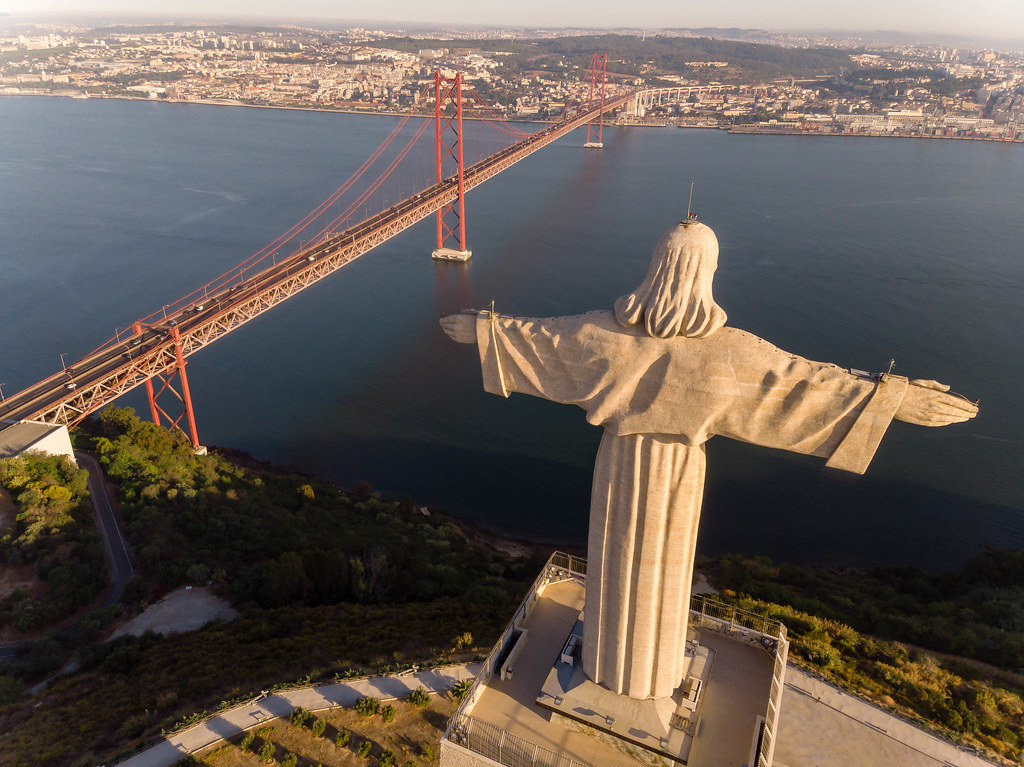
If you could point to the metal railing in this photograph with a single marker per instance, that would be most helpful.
(503, 747)
(735, 617)
(766, 753)
(574, 565)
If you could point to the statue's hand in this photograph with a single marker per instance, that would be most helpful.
(928, 403)
(460, 327)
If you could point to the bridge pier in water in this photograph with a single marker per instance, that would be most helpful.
(594, 64)
(448, 90)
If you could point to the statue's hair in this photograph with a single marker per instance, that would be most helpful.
(675, 297)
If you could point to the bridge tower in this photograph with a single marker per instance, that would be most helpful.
(166, 380)
(594, 64)
(448, 144)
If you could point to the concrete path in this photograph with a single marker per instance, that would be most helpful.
(240, 718)
(820, 726)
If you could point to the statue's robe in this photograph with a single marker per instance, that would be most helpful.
(659, 400)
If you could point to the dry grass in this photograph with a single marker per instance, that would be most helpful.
(412, 729)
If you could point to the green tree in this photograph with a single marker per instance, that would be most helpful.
(364, 749)
(343, 738)
(418, 697)
(367, 706)
(387, 713)
(267, 752)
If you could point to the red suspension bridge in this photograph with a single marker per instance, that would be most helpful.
(393, 189)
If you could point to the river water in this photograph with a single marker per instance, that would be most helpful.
(847, 250)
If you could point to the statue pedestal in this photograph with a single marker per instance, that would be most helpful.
(724, 711)
(651, 730)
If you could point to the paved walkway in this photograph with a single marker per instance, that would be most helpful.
(240, 718)
(820, 726)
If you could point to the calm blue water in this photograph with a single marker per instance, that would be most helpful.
(852, 251)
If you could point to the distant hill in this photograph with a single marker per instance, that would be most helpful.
(653, 55)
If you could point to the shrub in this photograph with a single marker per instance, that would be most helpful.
(461, 690)
(267, 752)
(318, 727)
(428, 751)
(410, 763)
(418, 697)
(367, 706)
(290, 760)
(387, 713)
(246, 743)
(300, 717)
(387, 758)
(364, 749)
(264, 733)
(463, 641)
(344, 736)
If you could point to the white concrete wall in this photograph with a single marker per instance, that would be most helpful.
(57, 442)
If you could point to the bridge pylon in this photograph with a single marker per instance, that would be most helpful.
(448, 145)
(184, 396)
(595, 63)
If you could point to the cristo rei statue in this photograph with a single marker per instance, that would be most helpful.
(663, 373)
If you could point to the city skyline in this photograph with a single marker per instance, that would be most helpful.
(994, 19)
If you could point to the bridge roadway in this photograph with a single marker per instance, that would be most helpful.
(87, 385)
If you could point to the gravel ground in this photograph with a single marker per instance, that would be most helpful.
(186, 609)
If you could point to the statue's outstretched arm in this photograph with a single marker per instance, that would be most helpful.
(460, 327)
(929, 403)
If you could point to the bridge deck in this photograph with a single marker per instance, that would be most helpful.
(117, 368)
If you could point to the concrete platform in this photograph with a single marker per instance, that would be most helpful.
(502, 722)
(721, 732)
(822, 726)
(511, 703)
(450, 254)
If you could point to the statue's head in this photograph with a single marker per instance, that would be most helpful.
(675, 297)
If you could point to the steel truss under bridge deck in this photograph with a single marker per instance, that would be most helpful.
(89, 384)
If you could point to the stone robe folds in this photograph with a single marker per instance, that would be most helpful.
(659, 400)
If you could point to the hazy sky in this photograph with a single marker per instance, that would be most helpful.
(991, 18)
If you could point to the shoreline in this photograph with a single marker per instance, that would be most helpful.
(507, 545)
(730, 129)
(236, 103)
(817, 134)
